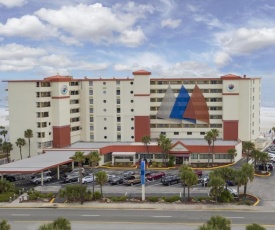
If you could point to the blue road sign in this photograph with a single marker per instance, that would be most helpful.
(142, 172)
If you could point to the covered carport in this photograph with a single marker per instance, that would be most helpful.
(38, 164)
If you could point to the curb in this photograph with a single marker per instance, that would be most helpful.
(259, 175)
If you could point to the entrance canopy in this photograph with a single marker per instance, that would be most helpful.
(123, 154)
(38, 163)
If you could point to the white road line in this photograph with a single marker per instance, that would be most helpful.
(235, 217)
(90, 215)
(20, 214)
(162, 216)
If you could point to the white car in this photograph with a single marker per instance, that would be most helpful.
(233, 191)
(87, 179)
(37, 179)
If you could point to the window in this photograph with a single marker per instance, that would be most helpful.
(119, 137)
(91, 119)
(132, 137)
(118, 101)
(91, 128)
(131, 83)
(132, 101)
(118, 92)
(91, 101)
(105, 128)
(118, 119)
(132, 128)
(117, 82)
(176, 133)
(118, 128)
(105, 137)
(163, 133)
(104, 83)
(91, 110)
(104, 110)
(189, 133)
(194, 156)
(41, 135)
(131, 92)
(132, 110)
(132, 119)
(104, 101)
(204, 156)
(90, 83)
(118, 110)
(202, 133)
(91, 92)
(222, 156)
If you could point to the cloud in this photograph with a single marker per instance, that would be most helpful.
(27, 26)
(13, 3)
(15, 57)
(242, 41)
(208, 19)
(170, 23)
(98, 24)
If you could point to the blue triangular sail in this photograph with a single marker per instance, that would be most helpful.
(180, 105)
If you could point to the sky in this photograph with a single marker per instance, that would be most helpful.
(113, 38)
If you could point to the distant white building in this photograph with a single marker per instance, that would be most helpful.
(61, 110)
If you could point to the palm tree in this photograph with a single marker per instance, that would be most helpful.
(62, 223)
(215, 134)
(248, 146)
(217, 185)
(101, 179)
(248, 175)
(238, 178)
(263, 158)
(7, 148)
(219, 222)
(165, 144)
(79, 158)
(20, 142)
(208, 137)
(255, 154)
(146, 140)
(94, 158)
(4, 225)
(29, 134)
(191, 179)
(225, 173)
(4, 133)
(232, 153)
(254, 227)
(183, 176)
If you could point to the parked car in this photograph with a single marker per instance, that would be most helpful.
(110, 176)
(131, 180)
(155, 176)
(87, 179)
(71, 178)
(265, 167)
(116, 180)
(128, 173)
(231, 183)
(204, 180)
(37, 179)
(9, 178)
(172, 179)
(198, 172)
(233, 191)
(45, 173)
(76, 170)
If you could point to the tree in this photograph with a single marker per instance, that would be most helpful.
(20, 142)
(4, 133)
(79, 158)
(254, 227)
(238, 178)
(165, 144)
(248, 146)
(58, 224)
(101, 179)
(191, 179)
(29, 134)
(4, 225)
(62, 223)
(7, 148)
(255, 154)
(183, 173)
(94, 158)
(215, 135)
(248, 175)
(263, 158)
(225, 173)
(208, 137)
(6, 186)
(146, 140)
(217, 185)
(232, 153)
(218, 223)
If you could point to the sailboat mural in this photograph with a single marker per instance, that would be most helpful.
(184, 107)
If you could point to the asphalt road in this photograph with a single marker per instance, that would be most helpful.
(131, 219)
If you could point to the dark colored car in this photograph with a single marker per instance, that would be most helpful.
(116, 180)
(9, 178)
(231, 183)
(198, 172)
(155, 176)
(172, 179)
(263, 167)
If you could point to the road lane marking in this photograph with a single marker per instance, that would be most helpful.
(90, 215)
(20, 214)
(162, 216)
(235, 217)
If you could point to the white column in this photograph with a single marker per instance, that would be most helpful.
(58, 173)
(72, 165)
(42, 179)
(113, 160)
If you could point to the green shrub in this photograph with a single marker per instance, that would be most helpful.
(226, 197)
(171, 199)
(33, 196)
(5, 197)
(119, 199)
(88, 196)
(153, 199)
(154, 164)
(159, 164)
(97, 195)
(108, 164)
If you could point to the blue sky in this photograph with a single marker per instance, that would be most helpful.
(170, 38)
